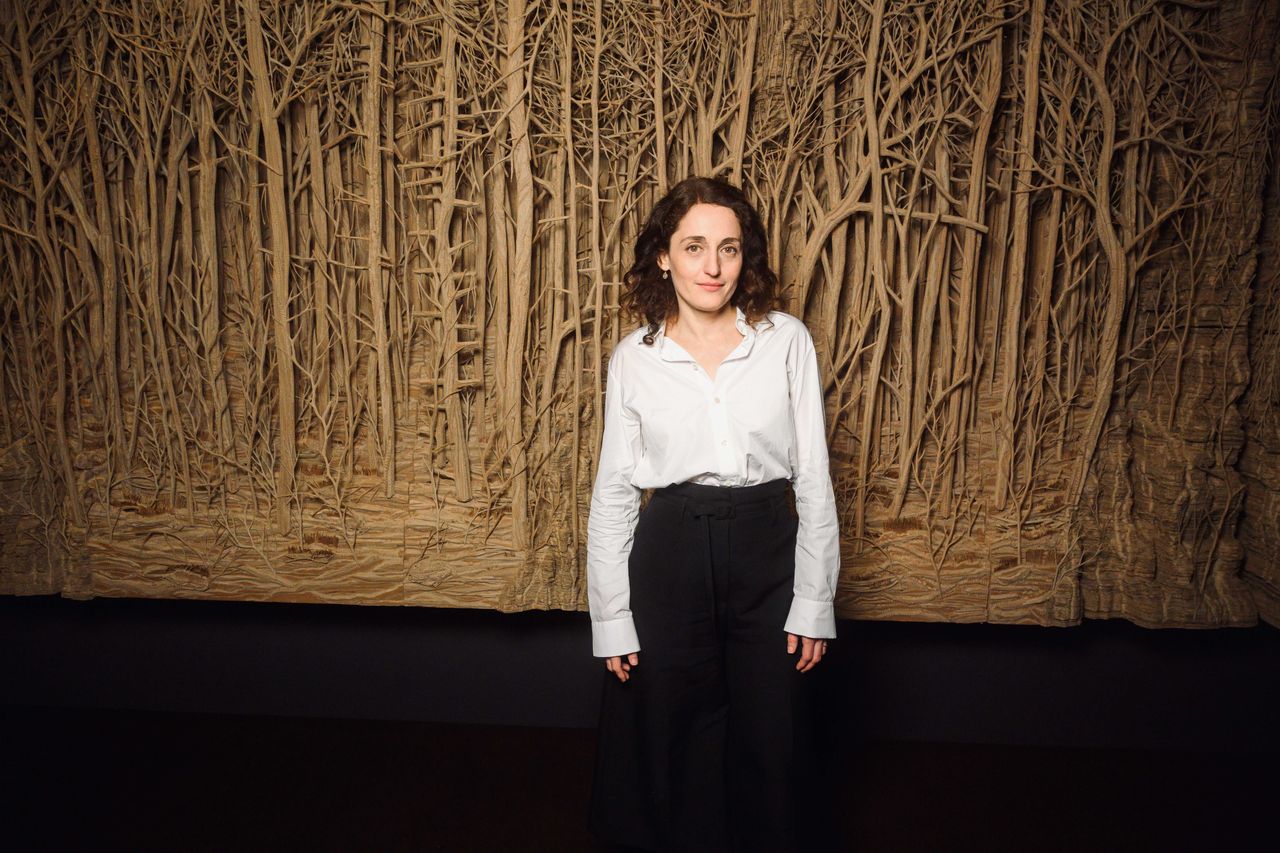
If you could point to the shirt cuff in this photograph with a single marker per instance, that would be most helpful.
(614, 637)
(814, 619)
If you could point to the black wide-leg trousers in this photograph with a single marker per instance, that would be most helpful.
(704, 748)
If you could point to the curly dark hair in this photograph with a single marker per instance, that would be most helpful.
(650, 297)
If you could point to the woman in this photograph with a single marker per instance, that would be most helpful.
(710, 605)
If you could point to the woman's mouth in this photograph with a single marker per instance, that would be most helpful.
(710, 285)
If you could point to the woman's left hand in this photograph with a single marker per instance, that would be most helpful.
(811, 650)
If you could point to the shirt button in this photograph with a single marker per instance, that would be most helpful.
(724, 444)
(717, 399)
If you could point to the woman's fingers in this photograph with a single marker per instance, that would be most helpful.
(806, 654)
(620, 667)
(811, 651)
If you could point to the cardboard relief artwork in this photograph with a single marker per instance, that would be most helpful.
(314, 301)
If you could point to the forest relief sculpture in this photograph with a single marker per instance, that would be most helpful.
(313, 301)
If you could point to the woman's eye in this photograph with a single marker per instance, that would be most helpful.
(693, 249)
(732, 250)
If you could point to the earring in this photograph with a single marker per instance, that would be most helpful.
(664, 275)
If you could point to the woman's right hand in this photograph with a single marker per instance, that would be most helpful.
(620, 666)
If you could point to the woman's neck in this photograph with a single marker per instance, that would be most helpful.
(700, 326)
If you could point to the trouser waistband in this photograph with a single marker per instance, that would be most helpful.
(721, 501)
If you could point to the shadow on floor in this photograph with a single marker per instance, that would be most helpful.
(143, 781)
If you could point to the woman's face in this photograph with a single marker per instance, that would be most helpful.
(704, 258)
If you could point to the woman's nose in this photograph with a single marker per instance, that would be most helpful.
(711, 263)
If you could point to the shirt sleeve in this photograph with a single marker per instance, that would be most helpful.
(611, 525)
(818, 536)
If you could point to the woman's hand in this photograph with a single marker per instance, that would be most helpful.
(811, 651)
(620, 667)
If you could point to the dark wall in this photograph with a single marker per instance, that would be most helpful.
(1101, 684)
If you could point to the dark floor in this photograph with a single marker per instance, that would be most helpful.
(117, 780)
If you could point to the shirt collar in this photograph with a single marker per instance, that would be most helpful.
(674, 352)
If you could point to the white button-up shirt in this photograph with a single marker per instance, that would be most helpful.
(666, 422)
